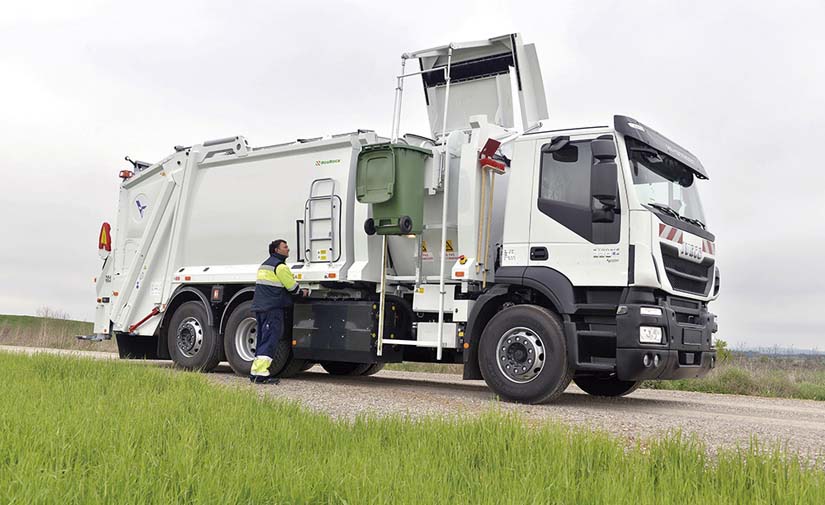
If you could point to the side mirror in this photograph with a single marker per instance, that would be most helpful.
(604, 187)
(555, 144)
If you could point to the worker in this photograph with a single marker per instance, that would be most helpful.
(274, 288)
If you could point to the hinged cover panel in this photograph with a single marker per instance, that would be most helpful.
(483, 76)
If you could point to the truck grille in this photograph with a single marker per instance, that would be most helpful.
(685, 275)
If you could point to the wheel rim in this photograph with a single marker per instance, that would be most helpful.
(520, 355)
(189, 337)
(246, 338)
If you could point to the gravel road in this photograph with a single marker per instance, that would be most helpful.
(718, 420)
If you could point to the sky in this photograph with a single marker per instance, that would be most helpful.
(738, 83)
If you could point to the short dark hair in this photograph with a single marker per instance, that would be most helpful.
(275, 244)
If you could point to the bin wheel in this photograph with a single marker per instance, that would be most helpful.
(405, 225)
(369, 226)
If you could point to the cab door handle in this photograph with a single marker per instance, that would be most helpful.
(539, 253)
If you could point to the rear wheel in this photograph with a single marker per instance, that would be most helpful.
(241, 338)
(192, 343)
(523, 355)
(345, 368)
(608, 385)
(293, 367)
(373, 369)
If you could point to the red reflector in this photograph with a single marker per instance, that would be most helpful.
(177, 277)
(115, 293)
(99, 300)
(104, 241)
(125, 174)
(332, 276)
(459, 274)
(188, 278)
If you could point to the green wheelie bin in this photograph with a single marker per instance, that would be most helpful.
(390, 178)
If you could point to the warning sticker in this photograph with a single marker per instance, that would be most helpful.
(450, 246)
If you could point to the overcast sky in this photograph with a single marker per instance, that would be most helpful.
(739, 83)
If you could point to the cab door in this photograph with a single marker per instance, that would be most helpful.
(577, 226)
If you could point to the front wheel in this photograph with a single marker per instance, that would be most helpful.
(606, 385)
(523, 355)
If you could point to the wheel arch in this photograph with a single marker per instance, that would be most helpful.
(541, 286)
(242, 295)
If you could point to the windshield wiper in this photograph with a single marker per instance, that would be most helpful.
(695, 221)
(666, 210)
(671, 212)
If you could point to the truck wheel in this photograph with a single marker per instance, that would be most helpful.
(240, 342)
(293, 367)
(192, 343)
(523, 355)
(344, 368)
(606, 385)
(373, 369)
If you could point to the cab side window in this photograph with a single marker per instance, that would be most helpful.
(565, 195)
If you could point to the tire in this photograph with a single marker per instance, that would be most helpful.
(405, 225)
(373, 369)
(293, 367)
(239, 341)
(525, 336)
(192, 343)
(345, 368)
(606, 385)
(369, 226)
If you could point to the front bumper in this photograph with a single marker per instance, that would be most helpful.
(687, 351)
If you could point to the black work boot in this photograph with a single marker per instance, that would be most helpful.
(263, 379)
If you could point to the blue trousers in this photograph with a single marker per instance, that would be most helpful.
(270, 331)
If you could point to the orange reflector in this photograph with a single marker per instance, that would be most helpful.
(115, 293)
(99, 300)
(466, 345)
(188, 278)
(459, 274)
(294, 343)
(332, 276)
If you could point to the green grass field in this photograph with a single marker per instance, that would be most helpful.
(82, 431)
(34, 331)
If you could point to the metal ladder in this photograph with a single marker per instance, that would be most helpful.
(317, 203)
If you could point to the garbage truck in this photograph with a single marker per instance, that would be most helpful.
(532, 256)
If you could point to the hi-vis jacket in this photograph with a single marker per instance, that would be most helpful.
(274, 286)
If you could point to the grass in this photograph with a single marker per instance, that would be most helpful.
(81, 431)
(801, 377)
(49, 332)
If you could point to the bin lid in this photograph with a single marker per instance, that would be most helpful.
(482, 76)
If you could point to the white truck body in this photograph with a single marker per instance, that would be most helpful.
(199, 221)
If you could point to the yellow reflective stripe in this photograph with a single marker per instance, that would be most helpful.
(260, 366)
(284, 275)
(268, 278)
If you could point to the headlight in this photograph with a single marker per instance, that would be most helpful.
(651, 311)
(650, 335)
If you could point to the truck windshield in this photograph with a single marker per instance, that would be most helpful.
(665, 183)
